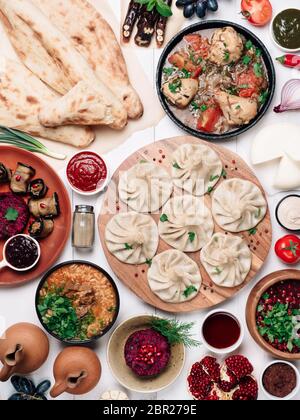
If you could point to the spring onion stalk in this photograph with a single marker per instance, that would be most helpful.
(25, 141)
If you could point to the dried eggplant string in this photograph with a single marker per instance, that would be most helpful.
(146, 27)
(161, 27)
(131, 19)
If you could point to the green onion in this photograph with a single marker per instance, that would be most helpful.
(25, 141)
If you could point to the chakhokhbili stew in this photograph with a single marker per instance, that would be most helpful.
(215, 85)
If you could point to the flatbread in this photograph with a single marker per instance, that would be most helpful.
(95, 40)
(50, 55)
(21, 96)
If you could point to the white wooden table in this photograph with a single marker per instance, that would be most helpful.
(17, 305)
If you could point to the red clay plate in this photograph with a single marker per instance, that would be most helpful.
(52, 246)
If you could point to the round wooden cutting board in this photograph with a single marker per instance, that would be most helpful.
(135, 277)
(51, 247)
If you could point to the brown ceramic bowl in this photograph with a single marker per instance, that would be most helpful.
(252, 304)
(125, 376)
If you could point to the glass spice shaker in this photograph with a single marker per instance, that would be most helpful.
(83, 235)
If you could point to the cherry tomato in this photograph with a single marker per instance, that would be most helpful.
(257, 12)
(209, 118)
(288, 249)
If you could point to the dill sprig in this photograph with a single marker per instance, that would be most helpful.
(176, 332)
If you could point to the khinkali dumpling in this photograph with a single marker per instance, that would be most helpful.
(196, 168)
(132, 238)
(238, 205)
(174, 277)
(145, 187)
(227, 259)
(186, 223)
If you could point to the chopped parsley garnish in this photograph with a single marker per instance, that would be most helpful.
(128, 247)
(238, 107)
(249, 45)
(189, 291)
(175, 86)
(168, 70)
(218, 271)
(192, 236)
(258, 70)
(176, 166)
(263, 96)
(195, 106)
(149, 262)
(164, 218)
(203, 108)
(252, 231)
(226, 56)
(210, 190)
(223, 174)
(11, 214)
(258, 52)
(213, 178)
(246, 60)
(186, 73)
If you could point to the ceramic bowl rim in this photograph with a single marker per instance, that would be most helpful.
(214, 24)
(126, 385)
(277, 210)
(22, 270)
(77, 342)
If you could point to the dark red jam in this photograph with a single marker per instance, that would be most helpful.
(87, 171)
(21, 252)
(221, 330)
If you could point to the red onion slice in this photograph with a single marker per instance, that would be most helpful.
(290, 97)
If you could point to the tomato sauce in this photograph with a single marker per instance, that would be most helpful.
(87, 171)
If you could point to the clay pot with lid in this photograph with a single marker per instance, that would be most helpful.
(77, 370)
(24, 348)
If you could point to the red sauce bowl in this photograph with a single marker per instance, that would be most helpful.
(87, 173)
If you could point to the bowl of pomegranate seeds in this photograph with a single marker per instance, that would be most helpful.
(273, 314)
(231, 380)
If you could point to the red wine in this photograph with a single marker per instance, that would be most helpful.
(221, 330)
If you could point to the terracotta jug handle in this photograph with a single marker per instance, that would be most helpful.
(13, 357)
(58, 389)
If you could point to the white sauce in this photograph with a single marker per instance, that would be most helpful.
(289, 213)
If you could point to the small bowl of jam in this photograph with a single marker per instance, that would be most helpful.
(87, 173)
(222, 332)
(21, 253)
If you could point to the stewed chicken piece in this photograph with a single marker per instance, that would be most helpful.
(180, 92)
(226, 46)
(236, 110)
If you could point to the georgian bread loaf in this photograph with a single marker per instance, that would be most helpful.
(96, 41)
(49, 54)
(21, 96)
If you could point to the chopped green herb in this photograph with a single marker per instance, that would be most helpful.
(263, 96)
(226, 56)
(176, 332)
(189, 291)
(210, 190)
(195, 106)
(128, 247)
(176, 166)
(175, 86)
(249, 45)
(11, 214)
(238, 107)
(149, 262)
(112, 309)
(252, 231)
(143, 161)
(218, 271)
(192, 236)
(186, 73)
(164, 218)
(203, 108)
(168, 70)
(213, 178)
(223, 174)
(244, 86)
(232, 90)
(258, 69)
(258, 52)
(246, 60)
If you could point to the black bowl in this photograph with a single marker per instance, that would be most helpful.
(214, 24)
(77, 342)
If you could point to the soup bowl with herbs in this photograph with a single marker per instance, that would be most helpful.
(77, 302)
(273, 314)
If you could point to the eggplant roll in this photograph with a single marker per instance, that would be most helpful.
(146, 27)
(5, 174)
(41, 228)
(21, 177)
(37, 188)
(44, 207)
(161, 27)
(130, 20)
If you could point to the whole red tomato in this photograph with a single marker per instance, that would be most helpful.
(257, 12)
(288, 249)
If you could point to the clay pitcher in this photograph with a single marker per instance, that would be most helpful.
(23, 349)
(77, 370)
